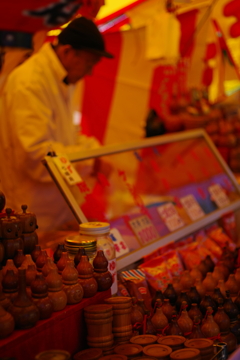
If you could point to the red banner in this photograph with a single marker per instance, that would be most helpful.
(30, 16)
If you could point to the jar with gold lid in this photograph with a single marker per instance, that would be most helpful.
(75, 242)
(100, 231)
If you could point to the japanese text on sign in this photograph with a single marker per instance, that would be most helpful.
(112, 267)
(144, 229)
(67, 170)
(170, 216)
(192, 207)
(121, 247)
(218, 195)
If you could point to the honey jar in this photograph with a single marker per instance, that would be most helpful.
(100, 232)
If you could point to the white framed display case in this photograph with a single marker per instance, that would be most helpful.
(152, 192)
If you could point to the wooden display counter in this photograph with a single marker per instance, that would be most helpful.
(65, 330)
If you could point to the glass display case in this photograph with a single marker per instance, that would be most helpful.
(152, 192)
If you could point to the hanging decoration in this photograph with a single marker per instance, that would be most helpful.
(233, 9)
(211, 52)
(224, 47)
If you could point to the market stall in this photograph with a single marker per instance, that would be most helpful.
(160, 190)
(165, 200)
(159, 226)
(146, 74)
(24, 344)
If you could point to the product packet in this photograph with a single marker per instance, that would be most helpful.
(202, 246)
(184, 242)
(228, 222)
(165, 249)
(203, 251)
(122, 290)
(214, 249)
(174, 263)
(190, 255)
(157, 273)
(151, 256)
(137, 286)
(222, 239)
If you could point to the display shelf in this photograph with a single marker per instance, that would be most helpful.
(65, 330)
(145, 196)
(134, 256)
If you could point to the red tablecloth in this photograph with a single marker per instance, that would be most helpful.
(65, 330)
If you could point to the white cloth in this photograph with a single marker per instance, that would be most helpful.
(36, 117)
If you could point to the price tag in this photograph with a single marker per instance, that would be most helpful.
(67, 170)
(218, 195)
(192, 207)
(170, 216)
(144, 229)
(121, 247)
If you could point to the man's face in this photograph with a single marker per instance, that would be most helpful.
(79, 64)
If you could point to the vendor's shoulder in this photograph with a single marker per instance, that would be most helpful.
(31, 72)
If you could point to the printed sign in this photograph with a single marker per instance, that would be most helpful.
(112, 267)
(218, 195)
(67, 170)
(121, 247)
(192, 207)
(144, 229)
(170, 216)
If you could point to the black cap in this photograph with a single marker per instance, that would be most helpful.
(82, 33)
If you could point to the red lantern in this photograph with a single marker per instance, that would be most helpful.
(233, 9)
(207, 76)
(235, 30)
(211, 51)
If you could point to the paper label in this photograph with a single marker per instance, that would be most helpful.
(144, 229)
(67, 170)
(142, 290)
(121, 247)
(112, 267)
(170, 216)
(192, 207)
(218, 195)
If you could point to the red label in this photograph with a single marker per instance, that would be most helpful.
(142, 290)
(124, 292)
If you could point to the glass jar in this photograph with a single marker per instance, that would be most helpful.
(100, 231)
(75, 242)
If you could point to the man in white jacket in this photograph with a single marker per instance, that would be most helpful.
(37, 117)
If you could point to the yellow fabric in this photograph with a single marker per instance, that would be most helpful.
(36, 118)
(130, 104)
(162, 29)
(12, 58)
(197, 65)
(163, 36)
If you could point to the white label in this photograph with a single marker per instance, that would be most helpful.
(144, 229)
(170, 216)
(121, 247)
(112, 267)
(192, 207)
(67, 170)
(218, 195)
